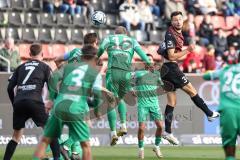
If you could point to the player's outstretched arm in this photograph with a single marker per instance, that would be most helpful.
(212, 75)
(102, 47)
(53, 82)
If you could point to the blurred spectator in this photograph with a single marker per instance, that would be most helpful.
(234, 38)
(209, 62)
(70, 6)
(236, 6)
(207, 6)
(189, 29)
(174, 5)
(228, 8)
(145, 13)
(191, 6)
(129, 15)
(219, 62)
(154, 7)
(192, 63)
(206, 31)
(220, 42)
(50, 6)
(161, 4)
(87, 8)
(231, 56)
(11, 54)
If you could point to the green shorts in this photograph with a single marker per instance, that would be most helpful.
(78, 130)
(118, 82)
(71, 113)
(153, 111)
(230, 126)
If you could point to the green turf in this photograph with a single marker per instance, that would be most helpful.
(129, 153)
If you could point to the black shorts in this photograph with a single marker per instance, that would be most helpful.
(173, 76)
(25, 109)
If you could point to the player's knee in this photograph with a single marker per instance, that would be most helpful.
(17, 135)
(141, 128)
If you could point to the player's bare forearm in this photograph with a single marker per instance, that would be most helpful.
(176, 56)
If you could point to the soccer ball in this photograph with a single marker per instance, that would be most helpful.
(98, 18)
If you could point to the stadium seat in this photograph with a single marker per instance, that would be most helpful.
(61, 36)
(28, 35)
(4, 4)
(47, 20)
(14, 19)
(109, 6)
(73, 46)
(33, 5)
(24, 50)
(152, 49)
(76, 36)
(44, 35)
(79, 20)
(2, 19)
(97, 5)
(218, 22)
(47, 51)
(91, 30)
(232, 22)
(159, 24)
(156, 36)
(141, 36)
(112, 20)
(17, 5)
(59, 49)
(105, 32)
(31, 19)
(12, 32)
(63, 20)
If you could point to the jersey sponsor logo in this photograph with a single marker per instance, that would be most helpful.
(211, 88)
(27, 87)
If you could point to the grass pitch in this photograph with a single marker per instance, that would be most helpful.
(130, 153)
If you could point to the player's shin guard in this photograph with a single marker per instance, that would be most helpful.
(198, 101)
(168, 118)
(10, 149)
(55, 147)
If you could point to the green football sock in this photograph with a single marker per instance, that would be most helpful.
(140, 143)
(230, 158)
(157, 140)
(35, 158)
(112, 119)
(122, 110)
(68, 143)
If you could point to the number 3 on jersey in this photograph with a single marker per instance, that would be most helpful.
(30, 70)
(78, 74)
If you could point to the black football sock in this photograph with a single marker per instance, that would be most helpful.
(198, 101)
(55, 147)
(168, 118)
(10, 149)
